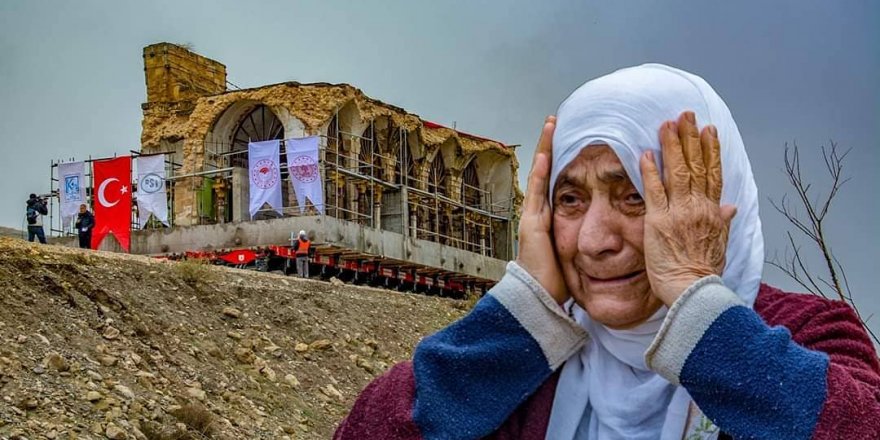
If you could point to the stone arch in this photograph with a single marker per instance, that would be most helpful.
(494, 171)
(333, 145)
(383, 125)
(367, 165)
(257, 125)
(218, 138)
(438, 183)
(340, 152)
(409, 166)
(435, 160)
(416, 146)
(397, 154)
(451, 151)
(385, 154)
(367, 162)
(226, 142)
(417, 161)
(350, 127)
(242, 121)
(437, 176)
(471, 191)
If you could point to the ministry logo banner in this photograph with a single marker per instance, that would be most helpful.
(151, 198)
(302, 162)
(265, 175)
(71, 178)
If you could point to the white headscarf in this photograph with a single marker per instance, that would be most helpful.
(606, 390)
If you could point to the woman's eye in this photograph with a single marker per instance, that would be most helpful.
(569, 200)
(633, 199)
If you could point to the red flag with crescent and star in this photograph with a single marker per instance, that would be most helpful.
(112, 196)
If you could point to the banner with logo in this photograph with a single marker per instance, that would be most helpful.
(112, 193)
(265, 175)
(72, 185)
(302, 162)
(151, 197)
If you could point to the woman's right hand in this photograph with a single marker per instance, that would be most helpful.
(536, 252)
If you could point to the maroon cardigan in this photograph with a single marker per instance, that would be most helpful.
(384, 410)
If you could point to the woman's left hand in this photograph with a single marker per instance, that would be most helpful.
(685, 226)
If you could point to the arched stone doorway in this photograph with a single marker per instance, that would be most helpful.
(470, 186)
(439, 216)
(366, 162)
(241, 123)
(259, 124)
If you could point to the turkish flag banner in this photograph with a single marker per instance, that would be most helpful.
(112, 196)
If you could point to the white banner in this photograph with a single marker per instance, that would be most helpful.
(302, 162)
(72, 185)
(151, 197)
(265, 175)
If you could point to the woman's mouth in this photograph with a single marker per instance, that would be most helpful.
(616, 280)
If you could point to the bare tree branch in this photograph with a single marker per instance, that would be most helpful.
(802, 266)
(794, 266)
(793, 276)
(845, 279)
(783, 208)
(813, 227)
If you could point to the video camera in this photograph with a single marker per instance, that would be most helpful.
(42, 197)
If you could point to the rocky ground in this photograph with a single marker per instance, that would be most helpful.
(12, 233)
(97, 345)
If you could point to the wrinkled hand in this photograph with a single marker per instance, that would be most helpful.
(536, 252)
(685, 226)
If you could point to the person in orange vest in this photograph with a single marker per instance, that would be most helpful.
(302, 247)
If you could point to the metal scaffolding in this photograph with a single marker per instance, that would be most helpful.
(368, 184)
(56, 224)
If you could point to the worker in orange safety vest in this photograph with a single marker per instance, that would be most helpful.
(301, 247)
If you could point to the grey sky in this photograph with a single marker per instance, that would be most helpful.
(71, 77)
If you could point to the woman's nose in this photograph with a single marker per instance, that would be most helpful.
(599, 235)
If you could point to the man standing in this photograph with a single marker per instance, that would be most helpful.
(84, 223)
(301, 247)
(36, 209)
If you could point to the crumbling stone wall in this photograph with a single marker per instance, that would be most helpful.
(175, 74)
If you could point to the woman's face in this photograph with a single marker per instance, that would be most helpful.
(598, 228)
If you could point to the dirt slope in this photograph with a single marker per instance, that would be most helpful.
(11, 233)
(99, 345)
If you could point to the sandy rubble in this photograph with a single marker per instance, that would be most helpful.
(99, 345)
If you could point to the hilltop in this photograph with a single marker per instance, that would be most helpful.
(102, 345)
(11, 232)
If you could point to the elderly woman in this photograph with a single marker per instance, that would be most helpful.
(635, 309)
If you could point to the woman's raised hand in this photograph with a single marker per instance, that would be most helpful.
(685, 226)
(536, 253)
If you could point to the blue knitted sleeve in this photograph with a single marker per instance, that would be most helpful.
(751, 380)
(473, 374)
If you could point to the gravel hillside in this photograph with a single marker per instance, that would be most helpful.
(97, 345)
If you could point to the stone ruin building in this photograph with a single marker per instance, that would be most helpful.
(401, 193)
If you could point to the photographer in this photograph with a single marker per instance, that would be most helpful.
(36, 209)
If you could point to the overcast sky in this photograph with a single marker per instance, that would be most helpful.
(71, 78)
